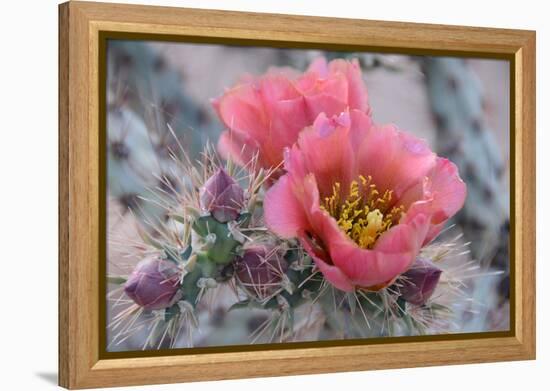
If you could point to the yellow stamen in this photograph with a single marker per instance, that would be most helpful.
(363, 214)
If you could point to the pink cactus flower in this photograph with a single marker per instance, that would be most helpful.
(362, 199)
(264, 115)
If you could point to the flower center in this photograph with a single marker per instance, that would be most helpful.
(363, 214)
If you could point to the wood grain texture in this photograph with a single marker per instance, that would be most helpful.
(525, 191)
(80, 24)
(63, 220)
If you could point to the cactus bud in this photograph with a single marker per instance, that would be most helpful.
(260, 270)
(419, 282)
(222, 196)
(154, 284)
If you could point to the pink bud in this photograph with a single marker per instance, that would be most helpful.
(260, 270)
(419, 282)
(154, 284)
(222, 196)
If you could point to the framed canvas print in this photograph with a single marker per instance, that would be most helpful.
(248, 195)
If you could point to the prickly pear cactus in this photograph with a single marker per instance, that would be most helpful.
(147, 106)
(464, 136)
(233, 281)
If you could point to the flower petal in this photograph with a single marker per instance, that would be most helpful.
(407, 236)
(368, 268)
(449, 194)
(394, 159)
(392, 255)
(441, 196)
(232, 146)
(330, 272)
(327, 138)
(276, 87)
(319, 67)
(283, 212)
(267, 113)
(449, 191)
(240, 109)
(324, 103)
(357, 93)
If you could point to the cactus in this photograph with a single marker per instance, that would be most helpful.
(203, 220)
(146, 103)
(464, 136)
(279, 294)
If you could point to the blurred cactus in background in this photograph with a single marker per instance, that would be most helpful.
(459, 105)
(146, 105)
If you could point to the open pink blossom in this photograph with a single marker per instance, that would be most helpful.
(264, 115)
(362, 199)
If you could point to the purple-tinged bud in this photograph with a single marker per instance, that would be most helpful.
(260, 270)
(154, 284)
(222, 196)
(419, 282)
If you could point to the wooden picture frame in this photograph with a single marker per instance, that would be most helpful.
(81, 25)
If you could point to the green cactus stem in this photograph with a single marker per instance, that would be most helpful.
(464, 136)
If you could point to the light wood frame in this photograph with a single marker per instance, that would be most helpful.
(80, 24)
